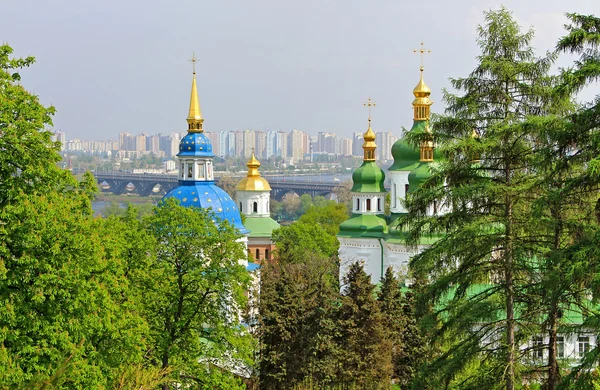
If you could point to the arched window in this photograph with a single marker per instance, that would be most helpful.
(357, 204)
(368, 204)
(395, 194)
(267, 254)
(257, 254)
(240, 207)
(255, 207)
(434, 207)
(378, 204)
(190, 170)
(405, 191)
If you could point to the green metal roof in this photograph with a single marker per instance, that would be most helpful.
(406, 156)
(368, 178)
(418, 176)
(364, 225)
(260, 226)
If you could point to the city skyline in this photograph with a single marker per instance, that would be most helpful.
(110, 66)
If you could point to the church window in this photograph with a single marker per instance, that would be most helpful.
(190, 170)
(255, 207)
(560, 346)
(405, 191)
(357, 204)
(200, 171)
(240, 207)
(266, 254)
(368, 204)
(378, 204)
(395, 194)
(583, 345)
(537, 351)
(434, 207)
(257, 254)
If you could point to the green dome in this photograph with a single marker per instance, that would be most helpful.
(418, 176)
(368, 178)
(406, 157)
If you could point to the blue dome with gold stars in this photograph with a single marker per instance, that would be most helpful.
(206, 195)
(195, 144)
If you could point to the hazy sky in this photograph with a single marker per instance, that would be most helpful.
(122, 65)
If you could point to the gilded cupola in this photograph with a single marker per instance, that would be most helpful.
(422, 103)
(253, 181)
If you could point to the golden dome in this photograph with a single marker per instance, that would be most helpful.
(253, 181)
(421, 90)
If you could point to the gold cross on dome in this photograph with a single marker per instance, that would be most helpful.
(422, 51)
(369, 104)
(193, 60)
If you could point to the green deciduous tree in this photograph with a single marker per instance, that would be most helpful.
(193, 293)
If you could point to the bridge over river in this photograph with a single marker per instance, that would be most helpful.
(149, 184)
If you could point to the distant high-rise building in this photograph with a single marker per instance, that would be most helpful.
(214, 140)
(357, 141)
(271, 144)
(260, 144)
(153, 143)
(296, 145)
(61, 137)
(281, 144)
(344, 147)
(239, 144)
(224, 144)
(249, 143)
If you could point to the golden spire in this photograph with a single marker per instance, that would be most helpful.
(369, 145)
(422, 103)
(194, 118)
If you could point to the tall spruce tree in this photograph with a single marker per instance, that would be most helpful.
(402, 332)
(366, 360)
(480, 268)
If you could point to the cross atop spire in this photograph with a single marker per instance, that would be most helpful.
(422, 51)
(193, 60)
(369, 104)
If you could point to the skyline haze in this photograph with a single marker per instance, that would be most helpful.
(111, 67)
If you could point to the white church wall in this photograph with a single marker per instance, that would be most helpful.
(365, 250)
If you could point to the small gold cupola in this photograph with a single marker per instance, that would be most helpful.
(253, 181)
(194, 118)
(422, 104)
(369, 145)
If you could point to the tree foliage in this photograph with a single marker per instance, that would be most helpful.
(481, 267)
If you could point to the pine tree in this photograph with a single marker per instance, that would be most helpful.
(480, 268)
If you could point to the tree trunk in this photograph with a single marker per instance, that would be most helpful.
(552, 355)
(509, 289)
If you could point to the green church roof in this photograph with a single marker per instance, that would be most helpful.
(418, 176)
(406, 156)
(260, 226)
(364, 225)
(368, 178)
